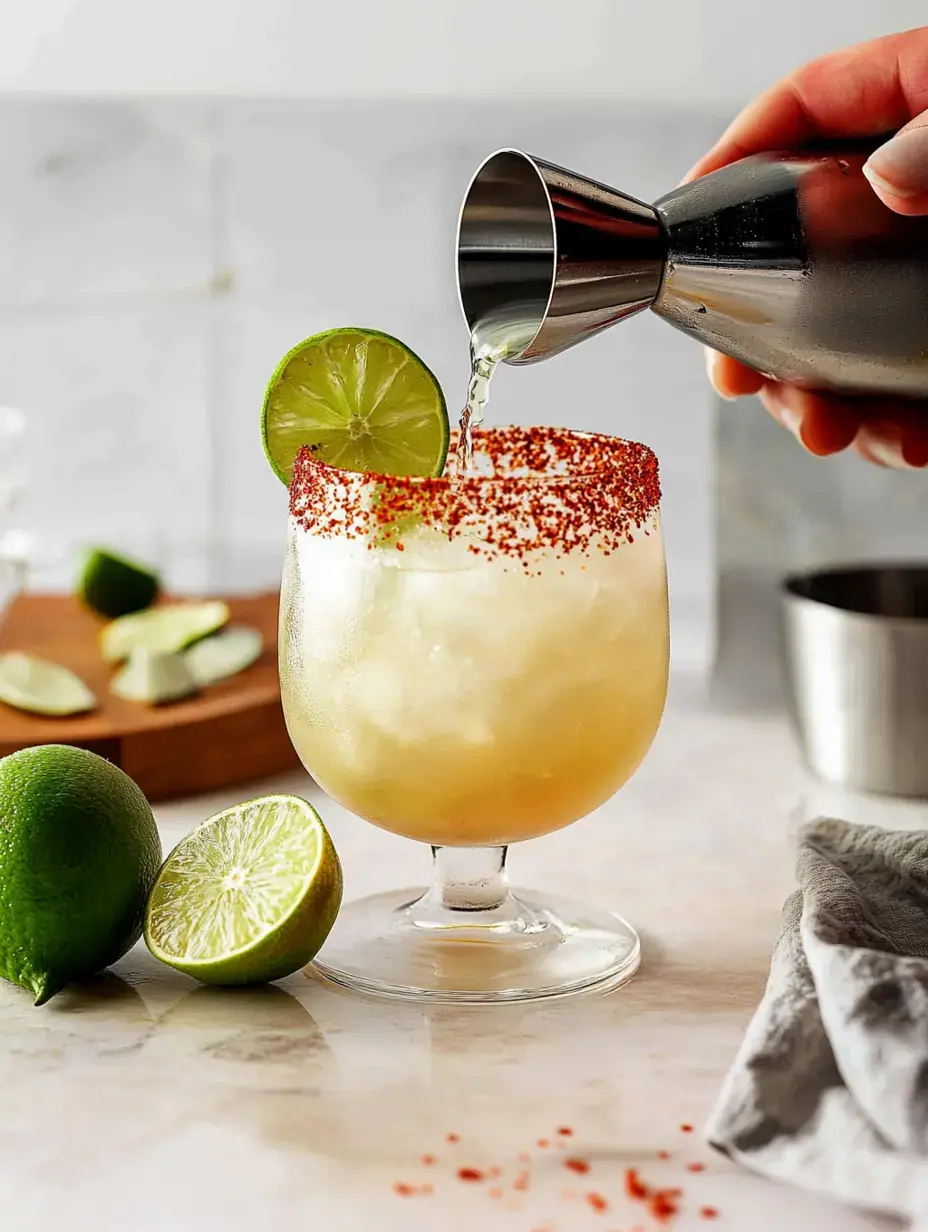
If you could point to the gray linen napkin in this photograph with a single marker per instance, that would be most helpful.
(830, 1088)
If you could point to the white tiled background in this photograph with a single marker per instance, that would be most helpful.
(157, 258)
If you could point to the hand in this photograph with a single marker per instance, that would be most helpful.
(864, 91)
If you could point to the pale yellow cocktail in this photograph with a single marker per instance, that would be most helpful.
(460, 700)
(471, 662)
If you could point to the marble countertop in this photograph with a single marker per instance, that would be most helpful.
(145, 1103)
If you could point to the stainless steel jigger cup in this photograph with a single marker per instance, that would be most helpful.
(788, 262)
(856, 651)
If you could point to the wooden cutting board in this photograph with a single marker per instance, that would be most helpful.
(230, 733)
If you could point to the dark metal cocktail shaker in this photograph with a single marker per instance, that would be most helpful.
(787, 261)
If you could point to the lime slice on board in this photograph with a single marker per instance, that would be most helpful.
(112, 585)
(153, 678)
(247, 897)
(162, 630)
(226, 654)
(32, 684)
(361, 400)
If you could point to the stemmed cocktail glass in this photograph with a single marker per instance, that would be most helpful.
(472, 662)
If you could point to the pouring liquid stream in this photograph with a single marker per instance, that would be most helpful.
(485, 357)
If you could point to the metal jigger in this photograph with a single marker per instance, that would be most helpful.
(788, 262)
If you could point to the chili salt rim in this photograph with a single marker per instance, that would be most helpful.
(550, 489)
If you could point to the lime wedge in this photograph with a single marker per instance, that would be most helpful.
(41, 687)
(362, 400)
(112, 586)
(226, 654)
(150, 677)
(247, 897)
(161, 630)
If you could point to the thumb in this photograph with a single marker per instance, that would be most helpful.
(898, 170)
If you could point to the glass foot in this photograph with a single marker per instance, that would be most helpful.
(526, 947)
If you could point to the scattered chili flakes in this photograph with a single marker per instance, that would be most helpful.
(634, 1185)
(521, 1182)
(405, 1190)
(565, 1131)
(429, 1160)
(452, 1137)
(470, 1174)
(663, 1154)
(663, 1203)
(577, 1165)
(598, 1202)
(686, 1129)
(696, 1167)
(597, 491)
(495, 1192)
(544, 1143)
(708, 1212)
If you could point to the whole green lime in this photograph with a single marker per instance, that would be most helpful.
(79, 853)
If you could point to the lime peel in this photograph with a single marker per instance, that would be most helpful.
(113, 585)
(80, 854)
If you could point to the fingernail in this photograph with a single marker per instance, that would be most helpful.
(791, 420)
(712, 363)
(711, 358)
(886, 451)
(900, 167)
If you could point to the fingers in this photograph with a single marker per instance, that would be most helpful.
(822, 425)
(731, 379)
(898, 170)
(776, 120)
(895, 436)
(892, 434)
(862, 91)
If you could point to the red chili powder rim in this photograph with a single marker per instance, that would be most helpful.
(538, 489)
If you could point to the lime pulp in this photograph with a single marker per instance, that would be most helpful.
(361, 400)
(247, 897)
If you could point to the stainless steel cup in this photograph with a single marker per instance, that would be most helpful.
(787, 261)
(856, 653)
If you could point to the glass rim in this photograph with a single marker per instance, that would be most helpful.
(601, 452)
(557, 489)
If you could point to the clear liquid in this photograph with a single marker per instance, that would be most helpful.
(485, 357)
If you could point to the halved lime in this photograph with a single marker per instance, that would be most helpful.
(112, 585)
(32, 684)
(162, 630)
(361, 400)
(247, 897)
(223, 655)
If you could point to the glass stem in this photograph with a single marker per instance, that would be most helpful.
(469, 878)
